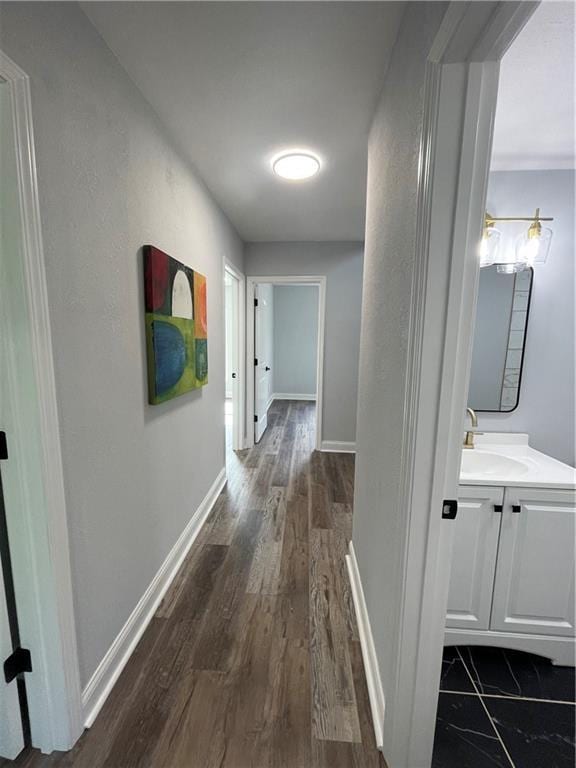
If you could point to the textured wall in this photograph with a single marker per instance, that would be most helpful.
(546, 407)
(393, 155)
(295, 339)
(110, 181)
(341, 263)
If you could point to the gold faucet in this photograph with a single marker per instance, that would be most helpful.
(469, 439)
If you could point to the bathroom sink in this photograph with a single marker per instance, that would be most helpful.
(476, 463)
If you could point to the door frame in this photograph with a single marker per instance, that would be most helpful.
(251, 283)
(42, 574)
(459, 104)
(239, 391)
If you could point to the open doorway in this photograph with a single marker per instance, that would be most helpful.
(234, 357)
(285, 320)
(509, 656)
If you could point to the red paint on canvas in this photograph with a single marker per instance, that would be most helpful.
(156, 278)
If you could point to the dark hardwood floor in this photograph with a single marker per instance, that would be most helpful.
(253, 659)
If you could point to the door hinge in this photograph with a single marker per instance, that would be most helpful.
(449, 509)
(3, 446)
(255, 361)
(18, 662)
(255, 302)
(255, 418)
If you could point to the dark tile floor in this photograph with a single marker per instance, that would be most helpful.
(504, 708)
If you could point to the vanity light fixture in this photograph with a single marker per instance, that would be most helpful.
(531, 248)
(296, 165)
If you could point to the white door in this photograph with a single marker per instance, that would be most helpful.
(11, 735)
(534, 587)
(476, 530)
(263, 330)
(233, 320)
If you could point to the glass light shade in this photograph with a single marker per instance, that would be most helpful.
(534, 247)
(296, 166)
(489, 246)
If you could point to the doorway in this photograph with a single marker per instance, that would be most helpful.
(234, 358)
(285, 347)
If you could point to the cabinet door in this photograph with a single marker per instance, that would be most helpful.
(534, 586)
(474, 550)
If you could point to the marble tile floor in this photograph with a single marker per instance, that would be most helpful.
(504, 708)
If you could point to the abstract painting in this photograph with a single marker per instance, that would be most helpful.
(176, 326)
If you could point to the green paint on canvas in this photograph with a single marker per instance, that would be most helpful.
(188, 380)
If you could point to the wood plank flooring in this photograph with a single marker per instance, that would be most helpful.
(253, 658)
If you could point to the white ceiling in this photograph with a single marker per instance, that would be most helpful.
(534, 126)
(237, 82)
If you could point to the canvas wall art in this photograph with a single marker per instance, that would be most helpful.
(176, 326)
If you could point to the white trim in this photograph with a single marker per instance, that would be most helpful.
(338, 446)
(48, 613)
(373, 680)
(239, 393)
(287, 396)
(251, 283)
(109, 669)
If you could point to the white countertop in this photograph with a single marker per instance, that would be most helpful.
(502, 458)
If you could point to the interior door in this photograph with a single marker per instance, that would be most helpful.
(263, 329)
(476, 531)
(11, 731)
(534, 587)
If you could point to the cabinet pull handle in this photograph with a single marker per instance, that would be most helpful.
(498, 507)
(516, 508)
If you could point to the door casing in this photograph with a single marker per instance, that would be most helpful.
(39, 534)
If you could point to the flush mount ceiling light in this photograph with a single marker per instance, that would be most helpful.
(296, 165)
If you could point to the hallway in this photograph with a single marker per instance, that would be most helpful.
(253, 658)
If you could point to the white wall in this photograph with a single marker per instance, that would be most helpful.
(546, 406)
(295, 339)
(110, 180)
(341, 263)
(392, 205)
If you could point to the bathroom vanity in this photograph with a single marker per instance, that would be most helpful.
(512, 578)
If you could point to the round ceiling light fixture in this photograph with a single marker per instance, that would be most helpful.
(296, 165)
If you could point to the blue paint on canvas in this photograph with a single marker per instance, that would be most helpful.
(169, 354)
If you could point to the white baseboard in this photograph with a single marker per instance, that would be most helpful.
(338, 446)
(109, 669)
(373, 680)
(287, 396)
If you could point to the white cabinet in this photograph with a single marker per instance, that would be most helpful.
(476, 531)
(534, 584)
(513, 570)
